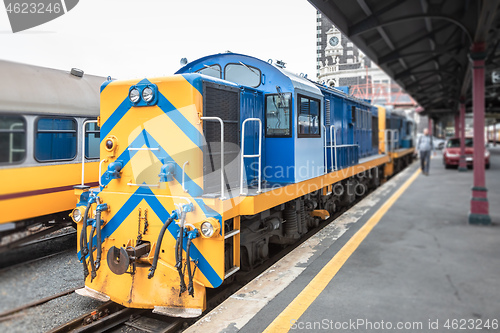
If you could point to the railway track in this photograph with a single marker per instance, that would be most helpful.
(9, 314)
(38, 249)
(111, 317)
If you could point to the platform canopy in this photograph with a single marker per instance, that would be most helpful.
(425, 45)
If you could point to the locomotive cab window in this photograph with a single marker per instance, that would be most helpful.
(55, 139)
(92, 140)
(212, 70)
(242, 74)
(12, 139)
(308, 117)
(278, 115)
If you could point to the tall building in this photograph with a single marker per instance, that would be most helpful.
(341, 63)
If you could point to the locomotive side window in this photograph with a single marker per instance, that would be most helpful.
(242, 74)
(308, 117)
(212, 70)
(92, 140)
(278, 115)
(55, 139)
(12, 139)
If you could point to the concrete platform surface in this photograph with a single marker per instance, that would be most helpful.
(422, 268)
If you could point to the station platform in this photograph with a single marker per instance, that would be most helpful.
(403, 259)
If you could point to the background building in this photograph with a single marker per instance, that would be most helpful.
(340, 63)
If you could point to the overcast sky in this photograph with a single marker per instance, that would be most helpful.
(132, 39)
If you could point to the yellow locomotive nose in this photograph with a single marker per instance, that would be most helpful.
(152, 180)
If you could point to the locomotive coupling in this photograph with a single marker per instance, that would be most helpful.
(119, 259)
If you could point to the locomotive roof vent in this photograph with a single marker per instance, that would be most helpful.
(76, 72)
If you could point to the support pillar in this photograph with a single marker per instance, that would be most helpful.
(488, 134)
(495, 134)
(479, 208)
(462, 165)
(430, 126)
(457, 125)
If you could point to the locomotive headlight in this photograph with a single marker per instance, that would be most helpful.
(147, 94)
(109, 144)
(77, 214)
(207, 229)
(134, 95)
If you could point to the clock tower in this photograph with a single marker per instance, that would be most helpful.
(333, 49)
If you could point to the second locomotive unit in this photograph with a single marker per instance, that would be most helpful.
(202, 171)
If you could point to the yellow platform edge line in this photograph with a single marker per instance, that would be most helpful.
(284, 321)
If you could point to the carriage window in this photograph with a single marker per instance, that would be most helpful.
(12, 139)
(278, 115)
(92, 140)
(242, 74)
(308, 117)
(212, 70)
(55, 139)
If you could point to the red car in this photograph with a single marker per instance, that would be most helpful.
(451, 153)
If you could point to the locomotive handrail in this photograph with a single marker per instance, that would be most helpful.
(83, 148)
(390, 143)
(387, 142)
(333, 148)
(395, 137)
(325, 150)
(143, 185)
(349, 145)
(183, 176)
(222, 197)
(333, 133)
(144, 148)
(231, 234)
(100, 166)
(243, 156)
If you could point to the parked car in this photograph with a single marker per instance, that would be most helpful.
(437, 143)
(451, 154)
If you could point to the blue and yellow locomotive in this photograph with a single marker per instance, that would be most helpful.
(202, 171)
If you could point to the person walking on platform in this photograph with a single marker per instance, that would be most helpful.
(424, 147)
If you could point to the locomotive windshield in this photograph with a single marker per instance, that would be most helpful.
(212, 70)
(242, 74)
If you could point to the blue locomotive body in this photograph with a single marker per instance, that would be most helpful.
(308, 129)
